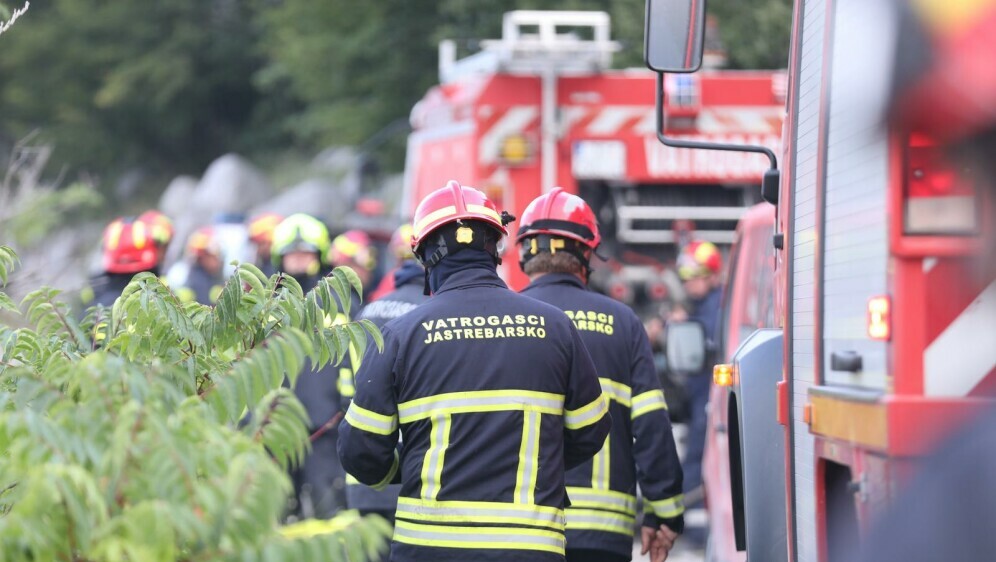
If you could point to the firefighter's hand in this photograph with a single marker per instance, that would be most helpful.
(658, 542)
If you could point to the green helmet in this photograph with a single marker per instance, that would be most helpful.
(299, 233)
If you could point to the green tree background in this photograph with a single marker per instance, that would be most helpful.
(169, 86)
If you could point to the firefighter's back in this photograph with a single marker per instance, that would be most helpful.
(480, 405)
(494, 393)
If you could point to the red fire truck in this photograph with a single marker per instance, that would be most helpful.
(884, 323)
(541, 107)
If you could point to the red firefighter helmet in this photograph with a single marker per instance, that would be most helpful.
(945, 82)
(203, 242)
(453, 203)
(352, 246)
(560, 214)
(128, 247)
(160, 225)
(699, 259)
(261, 227)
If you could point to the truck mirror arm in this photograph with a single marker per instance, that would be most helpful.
(678, 143)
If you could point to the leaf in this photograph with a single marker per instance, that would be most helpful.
(8, 261)
(7, 304)
(374, 333)
(338, 284)
(353, 279)
(357, 338)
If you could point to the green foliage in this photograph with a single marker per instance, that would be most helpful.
(172, 85)
(755, 33)
(37, 213)
(114, 84)
(160, 431)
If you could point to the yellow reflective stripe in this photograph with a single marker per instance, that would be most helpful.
(364, 419)
(113, 237)
(351, 480)
(600, 467)
(432, 465)
(433, 216)
(597, 520)
(185, 294)
(602, 499)
(481, 401)
(587, 414)
(215, 293)
(666, 508)
(138, 234)
(505, 538)
(525, 477)
(390, 473)
(345, 382)
(648, 402)
(482, 210)
(480, 513)
(616, 391)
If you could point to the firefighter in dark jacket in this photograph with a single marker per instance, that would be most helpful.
(408, 293)
(299, 242)
(699, 265)
(204, 280)
(556, 241)
(494, 393)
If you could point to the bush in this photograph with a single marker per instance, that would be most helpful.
(161, 431)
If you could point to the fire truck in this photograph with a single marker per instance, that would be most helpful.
(883, 327)
(541, 107)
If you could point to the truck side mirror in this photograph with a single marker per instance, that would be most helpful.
(685, 347)
(675, 32)
(769, 186)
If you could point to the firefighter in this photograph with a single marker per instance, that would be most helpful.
(354, 249)
(299, 242)
(557, 237)
(400, 248)
(699, 265)
(946, 88)
(408, 293)
(128, 246)
(204, 281)
(261, 229)
(493, 391)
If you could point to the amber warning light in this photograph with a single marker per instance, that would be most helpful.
(879, 318)
(722, 375)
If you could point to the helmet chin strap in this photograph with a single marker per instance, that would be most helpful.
(545, 243)
(455, 237)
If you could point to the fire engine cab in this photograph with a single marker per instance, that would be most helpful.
(882, 337)
(541, 107)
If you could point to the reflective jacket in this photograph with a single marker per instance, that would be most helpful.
(200, 286)
(409, 294)
(641, 446)
(105, 289)
(494, 394)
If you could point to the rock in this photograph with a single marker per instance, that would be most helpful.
(319, 198)
(231, 185)
(178, 198)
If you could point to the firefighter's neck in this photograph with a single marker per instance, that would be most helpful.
(536, 276)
